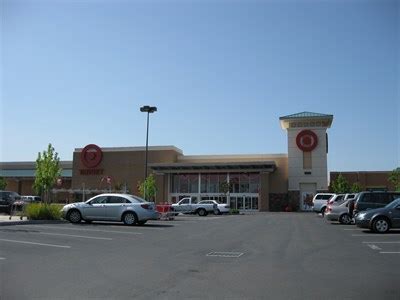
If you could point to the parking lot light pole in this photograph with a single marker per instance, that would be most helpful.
(149, 110)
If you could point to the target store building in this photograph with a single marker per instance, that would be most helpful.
(256, 182)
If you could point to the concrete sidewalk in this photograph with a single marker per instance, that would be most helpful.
(16, 220)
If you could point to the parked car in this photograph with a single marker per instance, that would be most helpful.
(111, 207)
(340, 198)
(320, 201)
(380, 220)
(371, 200)
(7, 198)
(339, 212)
(222, 208)
(31, 199)
(188, 205)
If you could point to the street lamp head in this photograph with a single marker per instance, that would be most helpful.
(148, 109)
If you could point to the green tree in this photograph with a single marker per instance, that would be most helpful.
(225, 187)
(3, 183)
(47, 171)
(340, 185)
(356, 188)
(394, 178)
(148, 188)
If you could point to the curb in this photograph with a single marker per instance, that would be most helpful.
(28, 222)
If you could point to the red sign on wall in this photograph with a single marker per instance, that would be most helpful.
(91, 156)
(307, 140)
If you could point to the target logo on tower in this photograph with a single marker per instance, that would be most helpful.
(307, 140)
(91, 156)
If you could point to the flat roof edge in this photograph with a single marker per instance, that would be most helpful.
(233, 156)
(138, 148)
(30, 164)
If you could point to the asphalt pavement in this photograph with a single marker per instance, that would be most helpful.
(258, 256)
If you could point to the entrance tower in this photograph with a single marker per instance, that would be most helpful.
(307, 155)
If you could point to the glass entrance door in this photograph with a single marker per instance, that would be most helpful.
(244, 202)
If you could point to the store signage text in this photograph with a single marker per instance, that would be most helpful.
(91, 171)
(91, 157)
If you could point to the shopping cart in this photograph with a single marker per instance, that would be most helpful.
(18, 209)
(165, 212)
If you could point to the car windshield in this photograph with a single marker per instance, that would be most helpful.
(394, 203)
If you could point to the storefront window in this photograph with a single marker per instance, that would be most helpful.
(210, 182)
(244, 183)
(174, 183)
(193, 183)
(254, 182)
(213, 183)
(203, 182)
(221, 179)
(234, 180)
(184, 183)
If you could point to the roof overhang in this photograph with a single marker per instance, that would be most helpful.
(261, 166)
(306, 119)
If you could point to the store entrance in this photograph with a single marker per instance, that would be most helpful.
(243, 202)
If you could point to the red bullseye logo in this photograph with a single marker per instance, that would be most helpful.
(91, 156)
(307, 140)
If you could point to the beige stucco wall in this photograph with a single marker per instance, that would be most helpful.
(278, 180)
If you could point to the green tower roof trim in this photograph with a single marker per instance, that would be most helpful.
(306, 115)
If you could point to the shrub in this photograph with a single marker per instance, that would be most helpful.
(234, 211)
(42, 211)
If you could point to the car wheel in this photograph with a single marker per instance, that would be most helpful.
(141, 222)
(380, 225)
(217, 212)
(74, 216)
(323, 211)
(345, 219)
(202, 212)
(129, 218)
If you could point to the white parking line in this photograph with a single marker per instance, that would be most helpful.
(2, 258)
(355, 229)
(387, 252)
(174, 223)
(77, 236)
(397, 242)
(374, 247)
(141, 227)
(376, 234)
(81, 229)
(33, 243)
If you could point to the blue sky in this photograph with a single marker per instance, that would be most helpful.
(220, 72)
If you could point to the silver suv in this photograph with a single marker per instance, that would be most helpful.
(320, 201)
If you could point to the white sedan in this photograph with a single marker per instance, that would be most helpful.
(222, 208)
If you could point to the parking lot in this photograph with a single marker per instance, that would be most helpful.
(263, 255)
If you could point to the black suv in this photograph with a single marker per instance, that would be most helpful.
(7, 198)
(371, 200)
